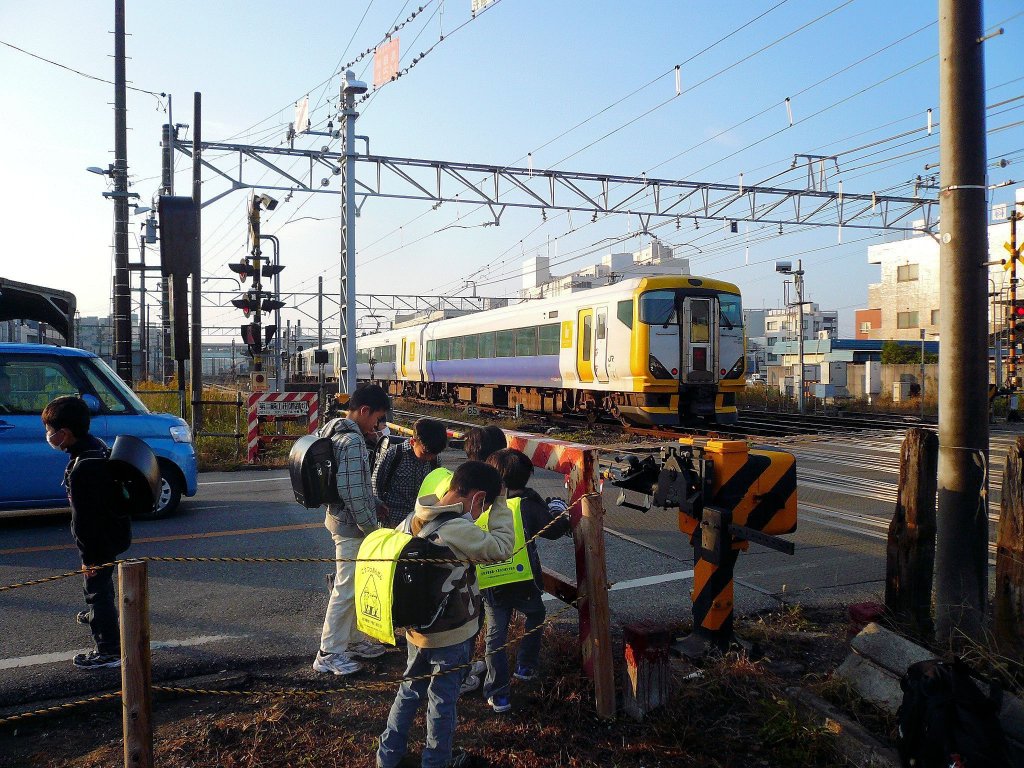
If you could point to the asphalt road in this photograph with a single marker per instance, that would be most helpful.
(209, 616)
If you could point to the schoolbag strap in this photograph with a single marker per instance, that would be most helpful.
(431, 528)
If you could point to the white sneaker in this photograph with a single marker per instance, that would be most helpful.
(366, 649)
(479, 668)
(471, 683)
(336, 663)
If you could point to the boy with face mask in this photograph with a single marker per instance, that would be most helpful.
(97, 530)
(448, 643)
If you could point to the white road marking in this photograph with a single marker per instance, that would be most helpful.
(51, 658)
(636, 583)
(236, 482)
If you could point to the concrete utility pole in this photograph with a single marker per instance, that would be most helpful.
(166, 188)
(119, 172)
(961, 557)
(798, 278)
(196, 360)
(347, 288)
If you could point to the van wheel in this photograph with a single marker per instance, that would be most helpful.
(170, 496)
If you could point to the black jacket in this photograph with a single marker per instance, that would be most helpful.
(98, 530)
(536, 515)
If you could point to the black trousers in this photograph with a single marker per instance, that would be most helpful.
(99, 596)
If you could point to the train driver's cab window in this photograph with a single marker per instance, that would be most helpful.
(730, 312)
(658, 308)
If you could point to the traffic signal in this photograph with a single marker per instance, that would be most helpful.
(269, 332)
(247, 303)
(269, 305)
(243, 269)
(1018, 317)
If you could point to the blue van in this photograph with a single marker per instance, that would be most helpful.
(31, 472)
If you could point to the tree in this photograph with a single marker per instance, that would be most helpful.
(894, 353)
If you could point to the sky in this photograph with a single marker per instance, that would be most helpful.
(578, 86)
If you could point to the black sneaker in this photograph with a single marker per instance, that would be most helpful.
(461, 759)
(82, 617)
(96, 660)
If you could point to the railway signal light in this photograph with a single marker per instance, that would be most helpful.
(253, 339)
(243, 269)
(269, 332)
(247, 303)
(1018, 317)
(269, 305)
(271, 270)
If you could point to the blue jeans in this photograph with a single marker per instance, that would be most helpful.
(442, 693)
(498, 606)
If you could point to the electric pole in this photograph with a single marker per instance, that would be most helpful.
(961, 555)
(347, 284)
(196, 357)
(119, 173)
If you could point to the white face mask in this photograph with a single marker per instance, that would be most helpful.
(52, 444)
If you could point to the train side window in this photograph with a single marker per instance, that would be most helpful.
(443, 346)
(486, 344)
(600, 326)
(624, 311)
(588, 330)
(526, 341)
(430, 351)
(469, 347)
(455, 353)
(549, 339)
(503, 344)
(658, 308)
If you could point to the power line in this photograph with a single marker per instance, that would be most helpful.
(79, 72)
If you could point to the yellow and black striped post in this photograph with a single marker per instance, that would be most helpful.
(751, 489)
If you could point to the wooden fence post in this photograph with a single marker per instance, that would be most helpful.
(597, 648)
(1009, 599)
(136, 674)
(910, 550)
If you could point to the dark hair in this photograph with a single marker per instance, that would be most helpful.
(514, 467)
(370, 395)
(472, 476)
(481, 442)
(68, 412)
(432, 434)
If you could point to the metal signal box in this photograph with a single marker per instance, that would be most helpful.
(757, 486)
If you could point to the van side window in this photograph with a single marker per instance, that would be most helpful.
(33, 383)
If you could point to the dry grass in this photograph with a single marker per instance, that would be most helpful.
(734, 714)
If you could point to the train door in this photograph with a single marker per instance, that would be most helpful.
(601, 344)
(585, 345)
(697, 342)
(403, 357)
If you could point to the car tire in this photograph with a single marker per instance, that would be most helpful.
(170, 495)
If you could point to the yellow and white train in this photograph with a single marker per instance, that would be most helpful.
(653, 350)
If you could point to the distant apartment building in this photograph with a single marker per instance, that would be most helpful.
(905, 302)
(655, 259)
(767, 327)
(865, 320)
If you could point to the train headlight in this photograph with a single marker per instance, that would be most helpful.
(658, 370)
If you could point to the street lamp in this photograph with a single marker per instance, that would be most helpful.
(786, 268)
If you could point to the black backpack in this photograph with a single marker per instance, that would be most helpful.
(416, 592)
(945, 721)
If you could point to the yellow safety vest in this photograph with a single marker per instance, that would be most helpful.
(517, 567)
(436, 483)
(375, 582)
